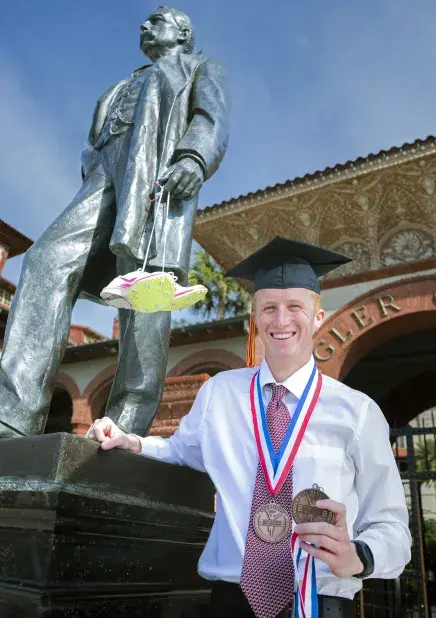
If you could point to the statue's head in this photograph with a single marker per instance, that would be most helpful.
(167, 31)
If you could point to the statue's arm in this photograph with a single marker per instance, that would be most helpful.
(89, 155)
(207, 135)
(101, 110)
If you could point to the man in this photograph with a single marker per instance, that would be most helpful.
(166, 123)
(360, 527)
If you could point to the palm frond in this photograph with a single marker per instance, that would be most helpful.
(226, 298)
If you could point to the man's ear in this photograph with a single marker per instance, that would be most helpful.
(183, 35)
(319, 319)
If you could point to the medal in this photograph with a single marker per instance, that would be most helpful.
(304, 509)
(271, 523)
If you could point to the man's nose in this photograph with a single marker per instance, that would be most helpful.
(145, 26)
(282, 317)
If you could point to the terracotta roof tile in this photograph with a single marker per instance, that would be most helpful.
(328, 171)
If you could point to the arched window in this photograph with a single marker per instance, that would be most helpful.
(61, 411)
(210, 361)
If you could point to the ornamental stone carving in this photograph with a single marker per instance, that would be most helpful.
(407, 246)
(360, 254)
(381, 211)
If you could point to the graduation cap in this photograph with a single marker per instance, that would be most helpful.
(285, 263)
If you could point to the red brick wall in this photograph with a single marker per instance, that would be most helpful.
(3, 257)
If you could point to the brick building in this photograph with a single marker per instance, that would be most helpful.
(12, 243)
(380, 210)
(380, 333)
(381, 308)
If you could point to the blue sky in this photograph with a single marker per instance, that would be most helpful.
(312, 84)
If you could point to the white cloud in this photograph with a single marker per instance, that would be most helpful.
(37, 175)
(34, 171)
(374, 79)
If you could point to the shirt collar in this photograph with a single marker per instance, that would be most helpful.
(296, 383)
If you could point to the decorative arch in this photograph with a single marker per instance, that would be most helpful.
(60, 414)
(78, 411)
(98, 389)
(67, 383)
(99, 382)
(386, 312)
(196, 362)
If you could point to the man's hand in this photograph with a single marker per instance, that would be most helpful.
(184, 179)
(105, 431)
(330, 542)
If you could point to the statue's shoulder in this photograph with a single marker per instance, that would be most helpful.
(212, 68)
(107, 94)
(198, 61)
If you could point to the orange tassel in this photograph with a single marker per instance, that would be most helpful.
(251, 343)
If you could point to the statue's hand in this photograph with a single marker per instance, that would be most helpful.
(105, 431)
(184, 179)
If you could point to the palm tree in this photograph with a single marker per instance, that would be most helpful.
(225, 298)
(426, 457)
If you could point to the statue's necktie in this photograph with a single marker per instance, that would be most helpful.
(268, 571)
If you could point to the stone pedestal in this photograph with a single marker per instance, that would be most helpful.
(87, 533)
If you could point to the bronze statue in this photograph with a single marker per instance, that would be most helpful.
(167, 123)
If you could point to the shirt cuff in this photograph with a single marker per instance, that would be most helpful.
(194, 157)
(159, 448)
(148, 447)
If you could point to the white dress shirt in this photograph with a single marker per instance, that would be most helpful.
(345, 450)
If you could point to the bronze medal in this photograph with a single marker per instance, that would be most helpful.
(304, 509)
(271, 523)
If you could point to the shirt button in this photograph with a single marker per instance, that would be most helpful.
(114, 127)
(113, 116)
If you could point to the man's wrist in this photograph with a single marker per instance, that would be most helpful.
(135, 443)
(358, 564)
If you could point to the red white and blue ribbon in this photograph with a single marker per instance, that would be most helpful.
(306, 597)
(276, 467)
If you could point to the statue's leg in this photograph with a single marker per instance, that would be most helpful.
(142, 360)
(39, 319)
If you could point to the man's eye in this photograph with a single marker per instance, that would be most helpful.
(271, 308)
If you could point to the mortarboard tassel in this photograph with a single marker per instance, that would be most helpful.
(251, 343)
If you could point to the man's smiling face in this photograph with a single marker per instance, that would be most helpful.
(286, 320)
(159, 31)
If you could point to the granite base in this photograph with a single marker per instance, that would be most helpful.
(87, 533)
